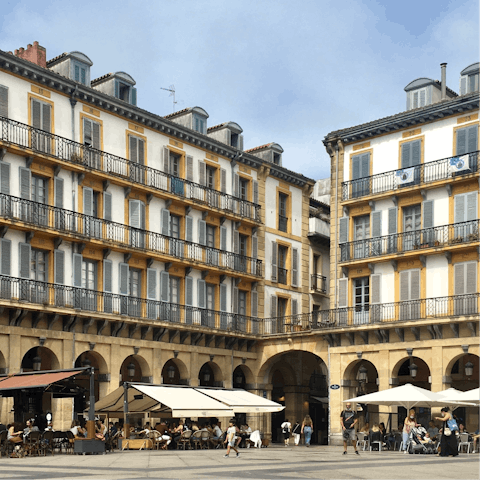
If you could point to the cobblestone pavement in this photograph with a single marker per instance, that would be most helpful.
(323, 462)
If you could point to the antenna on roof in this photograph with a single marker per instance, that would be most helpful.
(171, 89)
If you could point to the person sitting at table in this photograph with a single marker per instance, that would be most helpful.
(375, 436)
(462, 429)
(29, 428)
(432, 430)
(14, 436)
(195, 427)
(77, 430)
(100, 430)
(217, 434)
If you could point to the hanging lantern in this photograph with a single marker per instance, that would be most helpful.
(362, 374)
(206, 376)
(171, 372)
(239, 379)
(469, 369)
(87, 363)
(37, 363)
(413, 370)
(131, 369)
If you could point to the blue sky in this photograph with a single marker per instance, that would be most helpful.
(287, 72)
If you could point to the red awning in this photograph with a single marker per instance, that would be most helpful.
(36, 380)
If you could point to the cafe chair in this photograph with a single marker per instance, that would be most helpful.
(184, 440)
(196, 439)
(362, 439)
(465, 442)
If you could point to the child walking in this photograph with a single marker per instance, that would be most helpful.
(230, 438)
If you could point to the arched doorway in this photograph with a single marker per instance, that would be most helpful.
(39, 358)
(89, 359)
(131, 370)
(206, 376)
(171, 373)
(239, 379)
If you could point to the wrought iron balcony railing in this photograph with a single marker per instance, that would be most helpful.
(41, 215)
(61, 296)
(445, 235)
(423, 174)
(319, 283)
(25, 136)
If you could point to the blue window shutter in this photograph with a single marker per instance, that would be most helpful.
(165, 222)
(59, 192)
(202, 232)
(6, 253)
(77, 270)
(223, 297)
(117, 89)
(24, 260)
(201, 293)
(107, 276)
(25, 182)
(5, 178)
(164, 286)
(107, 206)
(151, 283)
(189, 291)
(124, 270)
(134, 96)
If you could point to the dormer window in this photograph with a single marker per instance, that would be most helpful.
(120, 85)
(419, 98)
(125, 92)
(277, 158)
(234, 140)
(80, 73)
(469, 79)
(199, 124)
(74, 65)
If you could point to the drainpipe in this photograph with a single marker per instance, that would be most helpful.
(444, 81)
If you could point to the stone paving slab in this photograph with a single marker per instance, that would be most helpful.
(322, 462)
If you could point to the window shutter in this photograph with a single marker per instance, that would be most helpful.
(355, 167)
(365, 165)
(415, 284)
(236, 241)
(164, 286)
(201, 293)
(223, 297)
(151, 283)
(236, 185)
(406, 154)
(377, 224)
(134, 213)
(87, 201)
(190, 168)
(343, 293)
(5, 178)
(404, 286)
(343, 227)
(459, 207)
(223, 238)
(375, 283)
(77, 73)
(463, 85)
(471, 202)
(59, 256)
(107, 206)
(165, 220)
(255, 192)
(471, 277)
(141, 151)
(273, 306)
(223, 180)
(117, 89)
(6, 246)
(294, 267)
(392, 220)
(3, 101)
(202, 173)
(235, 300)
(428, 214)
(134, 95)
(188, 228)
(202, 232)
(87, 131)
(83, 76)
(459, 278)
(416, 153)
(254, 304)
(422, 97)
(36, 114)
(166, 160)
(294, 307)
(77, 270)
(59, 192)
(143, 214)
(254, 247)
(124, 280)
(107, 276)
(133, 148)
(25, 182)
(96, 135)
(46, 118)
(24, 260)
(472, 141)
(189, 291)
(274, 261)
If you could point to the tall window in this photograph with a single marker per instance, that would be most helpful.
(41, 119)
(210, 171)
(39, 265)
(361, 232)
(282, 212)
(175, 164)
(361, 300)
(243, 183)
(412, 223)
(282, 264)
(39, 195)
(360, 175)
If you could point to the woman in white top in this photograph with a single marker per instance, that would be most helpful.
(286, 428)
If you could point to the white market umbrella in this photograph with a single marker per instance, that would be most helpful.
(471, 396)
(407, 396)
(453, 398)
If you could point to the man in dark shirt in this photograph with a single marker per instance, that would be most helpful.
(348, 419)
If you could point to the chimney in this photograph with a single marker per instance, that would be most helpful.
(444, 81)
(35, 54)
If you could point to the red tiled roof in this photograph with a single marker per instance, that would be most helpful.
(58, 57)
(99, 79)
(177, 113)
(209, 129)
(261, 147)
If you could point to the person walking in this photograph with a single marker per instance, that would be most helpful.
(286, 427)
(296, 431)
(307, 429)
(409, 422)
(348, 420)
(448, 440)
(230, 438)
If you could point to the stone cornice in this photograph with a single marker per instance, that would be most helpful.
(54, 81)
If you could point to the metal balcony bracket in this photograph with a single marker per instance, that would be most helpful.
(473, 328)
(423, 260)
(132, 329)
(188, 209)
(371, 204)
(431, 331)
(86, 324)
(184, 337)
(158, 333)
(28, 161)
(80, 178)
(423, 193)
(204, 274)
(168, 203)
(438, 331)
(351, 337)
(448, 256)
(237, 281)
(371, 266)
(52, 320)
(29, 236)
(144, 331)
(69, 323)
(379, 336)
(149, 198)
(3, 231)
(364, 335)
(81, 247)
(36, 318)
(150, 262)
(394, 264)
(101, 325)
(395, 200)
(3, 152)
(230, 343)
(57, 170)
(168, 265)
(250, 345)
(448, 187)
(118, 328)
(345, 211)
(106, 184)
(416, 333)
(222, 220)
(204, 215)
(218, 340)
(400, 334)
(188, 271)
(57, 242)
(16, 317)
(208, 339)
(172, 334)
(345, 272)
(455, 329)
(329, 338)
(126, 191)
(241, 343)
(254, 230)
(196, 338)
(222, 278)
(127, 257)
(237, 225)
(106, 252)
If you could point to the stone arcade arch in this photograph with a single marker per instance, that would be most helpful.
(48, 359)
(135, 369)
(210, 375)
(174, 372)
(96, 360)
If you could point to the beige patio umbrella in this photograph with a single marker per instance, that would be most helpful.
(471, 397)
(452, 398)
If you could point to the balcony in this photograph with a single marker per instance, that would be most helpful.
(74, 153)
(429, 172)
(38, 215)
(417, 240)
(319, 283)
(80, 299)
(318, 227)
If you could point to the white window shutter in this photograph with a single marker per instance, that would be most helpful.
(124, 270)
(202, 173)
(3, 101)
(107, 276)
(459, 278)
(5, 178)
(189, 168)
(134, 213)
(459, 208)
(165, 221)
(375, 289)
(392, 220)
(59, 259)
(343, 293)
(414, 284)
(404, 286)
(343, 230)
(88, 201)
(6, 252)
(77, 270)
(471, 277)
(151, 284)
(471, 202)
(428, 214)
(164, 286)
